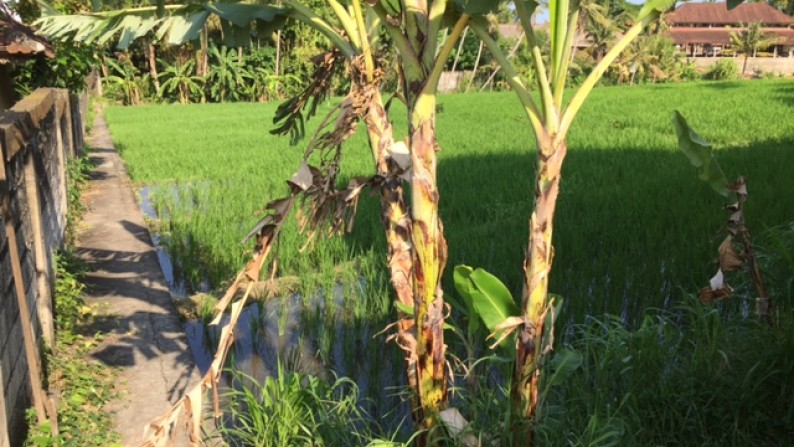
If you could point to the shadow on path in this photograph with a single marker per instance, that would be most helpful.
(146, 340)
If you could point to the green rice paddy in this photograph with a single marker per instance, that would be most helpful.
(636, 230)
(635, 227)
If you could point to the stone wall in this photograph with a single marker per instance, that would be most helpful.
(38, 136)
(774, 65)
(452, 81)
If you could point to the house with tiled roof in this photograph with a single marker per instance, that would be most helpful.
(704, 29)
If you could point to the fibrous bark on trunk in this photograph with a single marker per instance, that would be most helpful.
(537, 266)
(429, 259)
(397, 225)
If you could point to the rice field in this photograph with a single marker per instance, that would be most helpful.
(635, 228)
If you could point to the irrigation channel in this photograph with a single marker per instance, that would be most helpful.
(316, 335)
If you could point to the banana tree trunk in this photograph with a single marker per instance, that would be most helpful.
(202, 56)
(422, 67)
(537, 267)
(153, 67)
(397, 224)
(429, 260)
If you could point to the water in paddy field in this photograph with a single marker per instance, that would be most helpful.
(317, 336)
(177, 285)
(312, 337)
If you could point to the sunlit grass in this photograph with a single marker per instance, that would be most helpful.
(635, 230)
(635, 227)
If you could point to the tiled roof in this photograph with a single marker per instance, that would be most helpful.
(718, 14)
(721, 36)
(19, 41)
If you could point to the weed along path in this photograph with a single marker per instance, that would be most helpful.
(145, 341)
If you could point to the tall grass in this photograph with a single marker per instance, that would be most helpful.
(296, 410)
(690, 376)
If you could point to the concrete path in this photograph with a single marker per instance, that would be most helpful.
(147, 341)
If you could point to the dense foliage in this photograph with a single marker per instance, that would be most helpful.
(72, 63)
(273, 67)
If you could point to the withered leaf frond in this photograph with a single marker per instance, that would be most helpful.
(290, 118)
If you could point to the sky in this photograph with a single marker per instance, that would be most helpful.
(543, 15)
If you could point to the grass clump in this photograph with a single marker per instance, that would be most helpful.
(293, 409)
(82, 387)
(775, 252)
(687, 376)
(631, 227)
(77, 171)
(723, 70)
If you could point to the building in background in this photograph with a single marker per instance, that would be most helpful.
(704, 29)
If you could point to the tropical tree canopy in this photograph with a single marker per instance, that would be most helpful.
(174, 24)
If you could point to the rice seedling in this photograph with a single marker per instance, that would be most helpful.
(628, 213)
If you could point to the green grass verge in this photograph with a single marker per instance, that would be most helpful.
(82, 387)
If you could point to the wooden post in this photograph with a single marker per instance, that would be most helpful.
(153, 66)
(29, 337)
(42, 257)
(63, 114)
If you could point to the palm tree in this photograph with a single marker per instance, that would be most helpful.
(591, 15)
(751, 39)
(602, 34)
(651, 56)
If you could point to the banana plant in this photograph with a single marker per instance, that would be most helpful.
(417, 249)
(178, 79)
(488, 301)
(227, 76)
(701, 156)
(550, 117)
(266, 85)
(124, 76)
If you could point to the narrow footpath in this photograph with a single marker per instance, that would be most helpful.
(146, 340)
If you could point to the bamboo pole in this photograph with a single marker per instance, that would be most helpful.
(64, 148)
(4, 440)
(476, 66)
